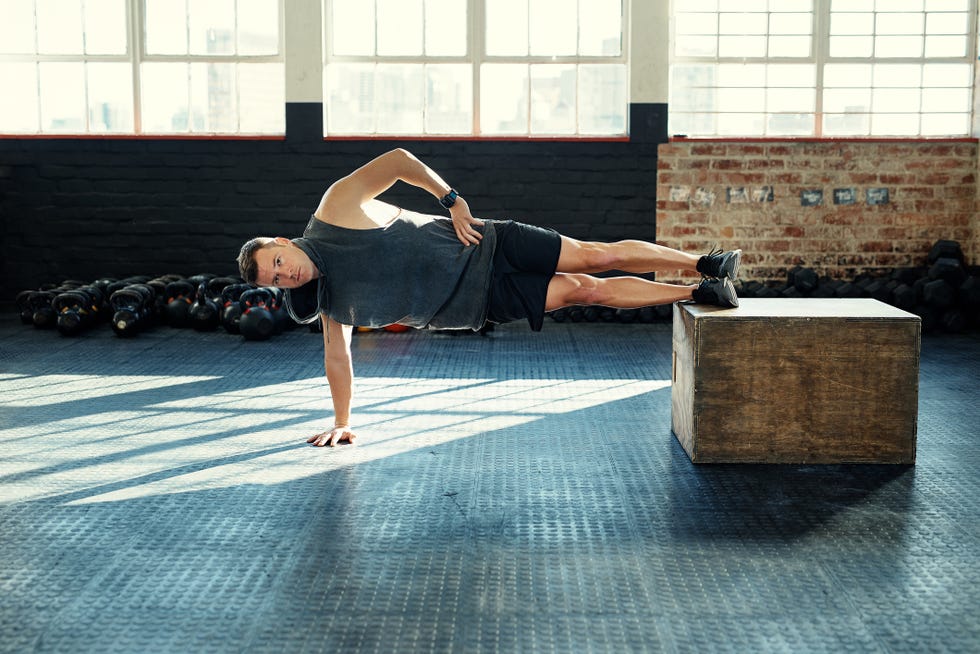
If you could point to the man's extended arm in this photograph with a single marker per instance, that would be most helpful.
(340, 377)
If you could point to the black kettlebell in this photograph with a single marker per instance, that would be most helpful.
(132, 309)
(180, 295)
(231, 308)
(257, 322)
(74, 310)
(204, 313)
(24, 307)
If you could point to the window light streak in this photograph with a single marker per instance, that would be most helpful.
(257, 435)
(51, 389)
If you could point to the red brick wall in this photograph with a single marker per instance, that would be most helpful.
(717, 193)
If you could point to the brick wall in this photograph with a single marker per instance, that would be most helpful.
(752, 195)
(90, 208)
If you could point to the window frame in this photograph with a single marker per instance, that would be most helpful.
(135, 56)
(476, 56)
(820, 57)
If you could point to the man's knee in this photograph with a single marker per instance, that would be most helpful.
(584, 289)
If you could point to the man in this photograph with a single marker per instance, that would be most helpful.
(365, 262)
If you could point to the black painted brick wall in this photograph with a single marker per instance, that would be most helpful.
(91, 208)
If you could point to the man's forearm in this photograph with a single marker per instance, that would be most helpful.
(340, 377)
(416, 173)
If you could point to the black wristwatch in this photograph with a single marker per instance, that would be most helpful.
(449, 199)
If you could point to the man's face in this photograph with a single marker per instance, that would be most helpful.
(284, 265)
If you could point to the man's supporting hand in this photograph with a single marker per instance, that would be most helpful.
(336, 436)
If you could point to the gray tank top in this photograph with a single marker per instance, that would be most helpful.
(413, 271)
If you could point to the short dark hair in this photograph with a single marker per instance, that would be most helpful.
(247, 266)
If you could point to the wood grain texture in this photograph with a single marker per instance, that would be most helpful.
(837, 386)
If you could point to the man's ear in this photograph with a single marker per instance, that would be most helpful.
(281, 240)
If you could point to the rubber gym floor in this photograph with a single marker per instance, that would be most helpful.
(516, 492)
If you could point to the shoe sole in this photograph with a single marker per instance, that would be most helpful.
(733, 273)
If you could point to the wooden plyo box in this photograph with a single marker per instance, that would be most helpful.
(796, 381)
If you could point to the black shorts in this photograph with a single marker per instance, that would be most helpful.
(524, 262)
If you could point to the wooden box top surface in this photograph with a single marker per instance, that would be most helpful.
(847, 308)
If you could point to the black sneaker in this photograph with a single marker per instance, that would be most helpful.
(719, 292)
(720, 264)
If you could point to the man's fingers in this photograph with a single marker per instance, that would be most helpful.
(332, 438)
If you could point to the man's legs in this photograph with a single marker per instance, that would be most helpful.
(572, 285)
(628, 256)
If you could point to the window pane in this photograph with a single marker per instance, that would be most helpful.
(946, 46)
(898, 46)
(105, 27)
(848, 24)
(350, 99)
(110, 97)
(947, 23)
(258, 27)
(897, 75)
(59, 26)
(696, 46)
(600, 27)
(898, 5)
(851, 46)
(846, 100)
(504, 99)
(62, 97)
(164, 97)
(947, 74)
(212, 26)
(553, 90)
(602, 99)
(742, 46)
(741, 75)
(790, 124)
(400, 93)
(852, 5)
(214, 98)
(506, 27)
(352, 27)
(895, 100)
(17, 27)
(691, 23)
(742, 23)
(790, 24)
(742, 99)
(947, 5)
(789, 46)
(399, 27)
(899, 24)
(449, 99)
(445, 28)
(791, 75)
(165, 28)
(261, 99)
(741, 124)
(18, 102)
(553, 27)
(939, 100)
(742, 5)
(853, 75)
(790, 100)
(856, 124)
(943, 124)
(895, 124)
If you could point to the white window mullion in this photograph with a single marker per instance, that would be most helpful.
(476, 44)
(135, 43)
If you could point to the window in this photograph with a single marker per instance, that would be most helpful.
(475, 67)
(79, 66)
(822, 68)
